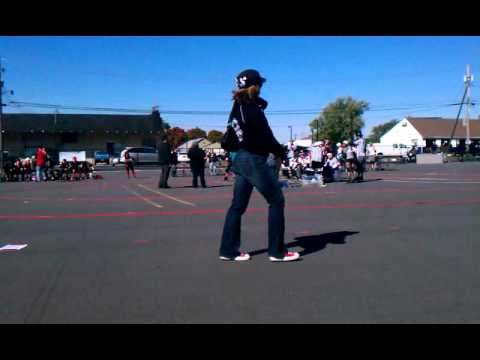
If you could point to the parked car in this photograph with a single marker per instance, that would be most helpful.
(140, 155)
(101, 156)
(183, 157)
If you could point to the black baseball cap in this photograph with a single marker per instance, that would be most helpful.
(249, 78)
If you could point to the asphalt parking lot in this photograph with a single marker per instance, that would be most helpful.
(401, 247)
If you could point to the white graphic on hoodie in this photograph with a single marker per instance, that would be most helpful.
(238, 130)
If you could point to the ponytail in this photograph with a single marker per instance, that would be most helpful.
(246, 95)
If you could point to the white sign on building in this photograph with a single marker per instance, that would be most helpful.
(68, 155)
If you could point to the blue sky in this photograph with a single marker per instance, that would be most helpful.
(418, 74)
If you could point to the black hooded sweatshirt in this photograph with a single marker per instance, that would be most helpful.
(254, 132)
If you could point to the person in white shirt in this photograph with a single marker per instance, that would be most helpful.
(330, 168)
(351, 163)
(371, 156)
(360, 152)
(291, 151)
(316, 155)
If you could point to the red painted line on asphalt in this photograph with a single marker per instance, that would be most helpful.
(325, 192)
(295, 208)
(8, 198)
(303, 232)
(141, 242)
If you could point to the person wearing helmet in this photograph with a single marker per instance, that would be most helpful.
(256, 142)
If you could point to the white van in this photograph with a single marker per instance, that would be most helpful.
(140, 155)
(398, 150)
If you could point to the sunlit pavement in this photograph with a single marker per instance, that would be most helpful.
(402, 247)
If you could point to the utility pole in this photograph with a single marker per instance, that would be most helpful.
(1, 113)
(290, 127)
(351, 129)
(468, 79)
(2, 70)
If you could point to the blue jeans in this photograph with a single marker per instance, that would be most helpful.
(252, 171)
(213, 168)
(40, 173)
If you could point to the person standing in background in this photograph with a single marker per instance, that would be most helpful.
(229, 157)
(164, 155)
(360, 153)
(197, 165)
(371, 156)
(40, 159)
(129, 164)
(212, 164)
(173, 163)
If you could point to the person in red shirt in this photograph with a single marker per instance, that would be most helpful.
(40, 158)
(75, 170)
(129, 165)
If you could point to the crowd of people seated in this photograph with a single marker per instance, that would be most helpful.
(42, 168)
(328, 162)
(24, 170)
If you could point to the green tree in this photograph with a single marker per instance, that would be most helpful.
(339, 120)
(196, 133)
(214, 136)
(378, 131)
(166, 125)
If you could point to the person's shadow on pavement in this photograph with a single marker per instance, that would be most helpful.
(314, 243)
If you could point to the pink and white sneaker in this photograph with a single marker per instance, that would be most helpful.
(288, 256)
(242, 257)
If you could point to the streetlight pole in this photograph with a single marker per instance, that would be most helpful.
(290, 127)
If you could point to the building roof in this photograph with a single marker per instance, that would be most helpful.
(216, 145)
(441, 128)
(186, 146)
(204, 143)
(78, 123)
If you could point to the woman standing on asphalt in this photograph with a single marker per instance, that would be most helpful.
(256, 142)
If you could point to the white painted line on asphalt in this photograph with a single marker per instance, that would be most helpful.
(165, 195)
(121, 170)
(148, 201)
(427, 179)
(433, 182)
(9, 247)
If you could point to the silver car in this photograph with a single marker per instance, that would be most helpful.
(140, 155)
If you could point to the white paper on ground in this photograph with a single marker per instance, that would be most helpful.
(13, 247)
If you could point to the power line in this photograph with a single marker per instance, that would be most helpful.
(208, 112)
(415, 108)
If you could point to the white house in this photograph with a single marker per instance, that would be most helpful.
(301, 143)
(183, 149)
(423, 132)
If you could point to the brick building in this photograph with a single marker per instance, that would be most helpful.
(23, 133)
